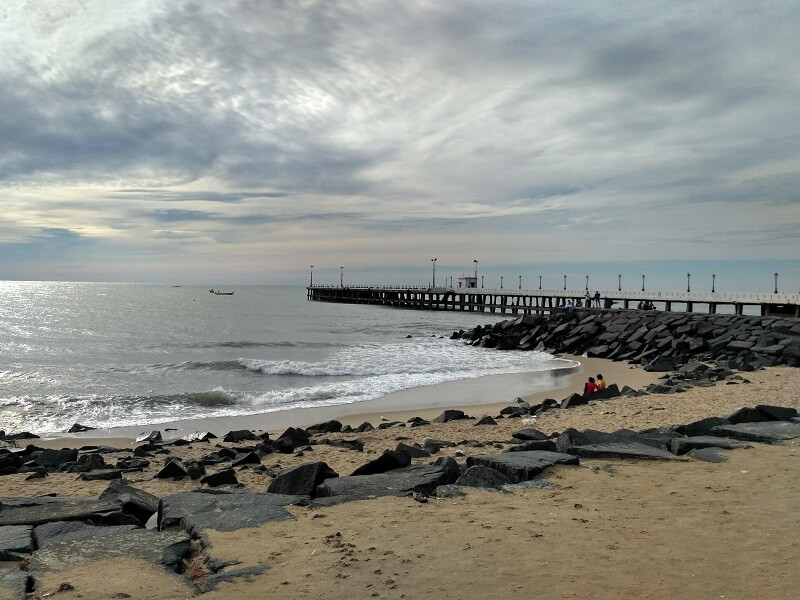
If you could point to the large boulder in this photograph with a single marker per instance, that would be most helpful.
(389, 460)
(301, 480)
(521, 466)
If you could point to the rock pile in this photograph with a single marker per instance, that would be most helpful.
(659, 341)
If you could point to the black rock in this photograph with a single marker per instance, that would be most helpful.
(413, 451)
(529, 434)
(683, 445)
(55, 458)
(770, 432)
(389, 460)
(301, 480)
(483, 477)
(486, 420)
(548, 445)
(77, 428)
(521, 466)
(224, 477)
(173, 468)
(297, 437)
(399, 482)
(150, 436)
(622, 450)
(333, 426)
(240, 435)
(450, 415)
(246, 458)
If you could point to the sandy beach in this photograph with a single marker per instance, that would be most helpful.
(609, 529)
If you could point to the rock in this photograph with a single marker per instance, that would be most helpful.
(296, 437)
(365, 426)
(199, 436)
(246, 458)
(483, 477)
(413, 451)
(548, 445)
(748, 415)
(150, 437)
(240, 435)
(102, 475)
(390, 424)
(659, 364)
(14, 584)
(701, 427)
(399, 482)
(433, 446)
(326, 427)
(450, 415)
(223, 511)
(55, 458)
(574, 400)
(35, 511)
(173, 468)
(301, 480)
(530, 434)
(521, 466)
(389, 460)
(224, 477)
(77, 428)
(684, 445)
(132, 500)
(15, 541)
(91, 544)
(622, 450)
(771, 432)
(777, 413)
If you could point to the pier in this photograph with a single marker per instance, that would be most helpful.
(535, 301)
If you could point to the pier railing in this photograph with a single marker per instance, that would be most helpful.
(528, 301)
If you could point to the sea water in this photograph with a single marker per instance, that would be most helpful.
(112, 355)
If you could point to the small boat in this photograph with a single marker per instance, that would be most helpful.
(218, 293)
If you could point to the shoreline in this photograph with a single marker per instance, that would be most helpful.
(425, 402)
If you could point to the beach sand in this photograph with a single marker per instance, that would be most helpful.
(610, 529)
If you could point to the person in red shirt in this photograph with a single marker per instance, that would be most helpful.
(589, 387)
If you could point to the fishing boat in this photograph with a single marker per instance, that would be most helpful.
(218, 293)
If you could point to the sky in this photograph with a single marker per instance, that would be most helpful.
(244, 141)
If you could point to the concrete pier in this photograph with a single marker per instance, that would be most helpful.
(534, 301)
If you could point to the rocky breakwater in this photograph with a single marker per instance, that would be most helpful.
(659, 341)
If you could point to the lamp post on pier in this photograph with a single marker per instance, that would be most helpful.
(520, 282)
(713, 282)
(501, 282)
(565, 282)
(476, 271)
(540, 282)
(642, 282)
(587, 283)
(776, 284)
(341, 276)
(312, 277)
(481, 281)
(688, 279)
(433, 260)
(619, 282)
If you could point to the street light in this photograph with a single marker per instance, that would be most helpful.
(540, 282)
(713, 282)
(565, 282)
(520, 282)
(481, 281)
(619, 282)
(501, 282)
(341, 276)
(642, 282)
(688, 279)
(312, 277)
(476, 271)
(433, 260)
(776, 283)
(587, 283)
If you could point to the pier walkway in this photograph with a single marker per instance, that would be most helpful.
(534, 301)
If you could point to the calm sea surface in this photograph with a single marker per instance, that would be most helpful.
(110, 355)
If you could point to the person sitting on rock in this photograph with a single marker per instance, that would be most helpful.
(589, 387)
(600, 383)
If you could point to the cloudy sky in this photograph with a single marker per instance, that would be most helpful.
(243, 141)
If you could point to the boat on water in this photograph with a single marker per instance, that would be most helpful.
(218, 293)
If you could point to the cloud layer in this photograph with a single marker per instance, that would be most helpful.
(247, 140)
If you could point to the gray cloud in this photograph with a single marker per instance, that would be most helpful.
(326, 121)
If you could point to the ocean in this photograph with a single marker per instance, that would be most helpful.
(121, 355)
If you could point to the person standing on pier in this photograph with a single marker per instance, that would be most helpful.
(596, 299)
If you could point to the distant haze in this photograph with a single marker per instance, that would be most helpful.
(243, 141)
